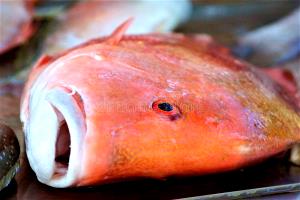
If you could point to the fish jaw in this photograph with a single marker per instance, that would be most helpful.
(48, 143)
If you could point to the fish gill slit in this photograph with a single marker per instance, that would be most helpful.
(63, 142)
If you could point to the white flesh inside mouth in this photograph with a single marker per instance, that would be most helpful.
(54, 138)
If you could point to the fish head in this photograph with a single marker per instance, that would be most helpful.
(151, 106)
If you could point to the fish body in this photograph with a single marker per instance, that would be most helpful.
(16, 23)
(155, 105)
(275, 43)
(87, 20)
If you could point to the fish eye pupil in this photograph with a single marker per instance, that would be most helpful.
(165, 107)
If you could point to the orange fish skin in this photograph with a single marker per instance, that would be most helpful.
(226, 113)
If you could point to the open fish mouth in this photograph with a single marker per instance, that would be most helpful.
(56, 133)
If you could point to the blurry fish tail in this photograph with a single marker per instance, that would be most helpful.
(118, 33)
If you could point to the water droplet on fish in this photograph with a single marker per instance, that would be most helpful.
(60, 64)
(172, 84)
(212, 120)
(169, 89)
(97, 57)
(184, 93)
(243, 149)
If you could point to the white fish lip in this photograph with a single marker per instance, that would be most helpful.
(52, 109)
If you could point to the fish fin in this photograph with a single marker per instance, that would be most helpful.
(292, 53)
(118, 33)
(288, 79)
(44, 59)
(283, 77)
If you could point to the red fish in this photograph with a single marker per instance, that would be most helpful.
(15, 23)
(92, 19)
(156, 105)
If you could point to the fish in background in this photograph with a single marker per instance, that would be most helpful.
(276, 47)
(16, 23)
(90, 19)
(275, 43)
(155, 105)
(93, 18)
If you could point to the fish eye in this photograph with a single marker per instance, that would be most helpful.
(165, 106)
(166, 109)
